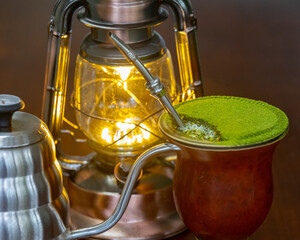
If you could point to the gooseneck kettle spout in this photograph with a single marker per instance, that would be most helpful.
(125, 196)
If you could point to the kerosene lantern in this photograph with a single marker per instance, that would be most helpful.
(115, 111)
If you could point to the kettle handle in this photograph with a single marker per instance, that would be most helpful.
(126, 193)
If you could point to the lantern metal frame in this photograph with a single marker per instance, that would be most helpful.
(131, 24)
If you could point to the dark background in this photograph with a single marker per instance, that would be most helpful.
(247, 48)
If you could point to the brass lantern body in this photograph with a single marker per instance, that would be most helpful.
(112, 107)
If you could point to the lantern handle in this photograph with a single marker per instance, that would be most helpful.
(185, 28)
(58, 54)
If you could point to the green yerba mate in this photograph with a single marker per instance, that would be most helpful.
(199, 129)
(231, 121)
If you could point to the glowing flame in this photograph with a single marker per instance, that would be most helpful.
(124, 73)
(105, 135)
(135, 134)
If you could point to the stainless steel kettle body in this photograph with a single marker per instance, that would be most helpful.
(33, 202)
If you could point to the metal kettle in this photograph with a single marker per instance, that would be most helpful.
(33, 202)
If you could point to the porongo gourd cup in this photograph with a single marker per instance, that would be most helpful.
(222, 184)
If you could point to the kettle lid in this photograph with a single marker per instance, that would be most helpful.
(18, 129)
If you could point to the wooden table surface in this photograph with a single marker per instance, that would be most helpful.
(247, 48)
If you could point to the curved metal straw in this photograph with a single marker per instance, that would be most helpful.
(154, 85)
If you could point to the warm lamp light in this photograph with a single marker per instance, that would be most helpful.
(113, 107)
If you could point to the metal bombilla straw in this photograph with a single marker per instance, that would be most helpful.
(154, 85)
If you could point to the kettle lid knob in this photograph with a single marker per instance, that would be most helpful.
(8, 105)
